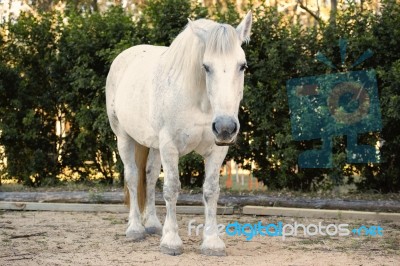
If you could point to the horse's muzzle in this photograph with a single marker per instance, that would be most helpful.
(225, 129)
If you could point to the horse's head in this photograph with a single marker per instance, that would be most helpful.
(224, 63)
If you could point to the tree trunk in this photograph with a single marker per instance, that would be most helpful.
(332, 18)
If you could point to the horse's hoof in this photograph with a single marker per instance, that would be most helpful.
(171, 251)
(213, 252)
(135, 236)
(153, 230)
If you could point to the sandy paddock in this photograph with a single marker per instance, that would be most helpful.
(74, 238)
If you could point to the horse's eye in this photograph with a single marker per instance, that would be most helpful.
(243, 67)
(206, 68)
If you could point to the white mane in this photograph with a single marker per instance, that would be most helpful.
(183, 59)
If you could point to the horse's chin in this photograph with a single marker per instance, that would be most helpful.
(223, 143)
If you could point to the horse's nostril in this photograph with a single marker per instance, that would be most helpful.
(214, 128)
(234, 127)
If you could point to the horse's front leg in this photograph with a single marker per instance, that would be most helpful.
(212, 243)
(171, 243)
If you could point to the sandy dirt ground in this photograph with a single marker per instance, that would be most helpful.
(72, 238)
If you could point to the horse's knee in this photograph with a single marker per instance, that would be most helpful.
(170, 194)
(210, 191)
(171, 190)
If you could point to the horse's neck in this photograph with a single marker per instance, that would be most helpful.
(183, 88)
(202, 100)
(194, 87)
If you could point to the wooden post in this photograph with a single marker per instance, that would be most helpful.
(237, 173)
(229, 178)
(250, 182)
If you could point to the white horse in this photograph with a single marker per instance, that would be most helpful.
(164, 102)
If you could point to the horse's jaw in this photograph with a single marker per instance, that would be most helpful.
(222, 143)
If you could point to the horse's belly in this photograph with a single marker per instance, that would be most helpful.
(133, 113)
(133, 96)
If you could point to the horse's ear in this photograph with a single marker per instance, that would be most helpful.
(199, 32)
(244, 28)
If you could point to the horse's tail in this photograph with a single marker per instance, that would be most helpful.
(141, 154)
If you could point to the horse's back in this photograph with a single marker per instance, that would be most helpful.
(141, 55)
(128, 91)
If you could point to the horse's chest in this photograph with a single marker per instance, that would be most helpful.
(183, 125)
(189, 138)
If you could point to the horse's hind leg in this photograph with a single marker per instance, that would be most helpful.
(153, 167)
(126, 148)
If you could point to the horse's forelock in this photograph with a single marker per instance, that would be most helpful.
(221, 39)
(184, 56)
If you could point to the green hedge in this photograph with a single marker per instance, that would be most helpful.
(54, 68)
